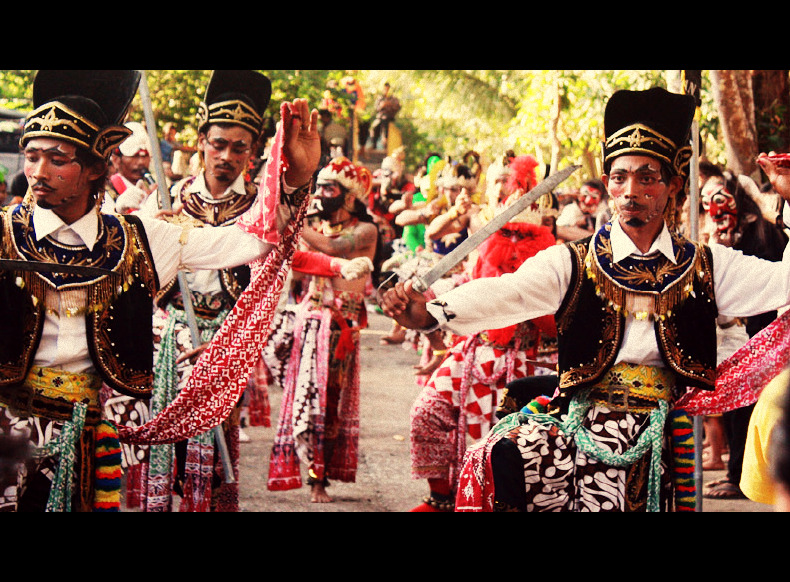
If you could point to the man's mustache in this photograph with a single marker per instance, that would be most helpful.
(41, 185)
(632, 206)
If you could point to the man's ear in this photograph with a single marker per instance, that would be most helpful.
(675, 185)
(97, 171)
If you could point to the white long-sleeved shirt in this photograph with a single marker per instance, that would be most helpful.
(63, 344)
(743, 285)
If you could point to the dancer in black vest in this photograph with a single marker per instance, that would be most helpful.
(76, 316)
(635, 307)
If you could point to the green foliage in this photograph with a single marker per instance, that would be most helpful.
(452, 111)
(16, 89)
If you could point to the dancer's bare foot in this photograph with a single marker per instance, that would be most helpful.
(318, 494)
(712, 462)
(711, 465)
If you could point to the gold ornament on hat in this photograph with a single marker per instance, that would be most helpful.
(639, 138)
(56, 120)
(235, 112)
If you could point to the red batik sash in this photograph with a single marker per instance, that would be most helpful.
(220, 375)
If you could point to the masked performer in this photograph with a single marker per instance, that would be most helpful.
(462, 395)
(738, 222)
(319, 415)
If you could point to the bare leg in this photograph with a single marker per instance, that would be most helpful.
(438, 353)
(712, 461)
(396, 336)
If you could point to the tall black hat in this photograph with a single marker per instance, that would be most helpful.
(236, 97)
(86, 108)
(654, 123)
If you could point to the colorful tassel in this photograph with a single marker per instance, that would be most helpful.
(682, 442)
(107, 497)
(537, 406)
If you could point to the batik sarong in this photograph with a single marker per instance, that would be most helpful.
(269, 372)
(608, 453)
(151, 469)
(318, 423)
(67, 456)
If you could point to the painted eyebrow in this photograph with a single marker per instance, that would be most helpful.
(53, 150)
(643, 168)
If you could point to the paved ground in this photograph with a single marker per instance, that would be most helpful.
(383, 482)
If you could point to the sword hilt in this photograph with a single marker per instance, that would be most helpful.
(419, 285)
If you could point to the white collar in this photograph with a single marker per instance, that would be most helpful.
(46, 222)
(623, 246)
(199, 186)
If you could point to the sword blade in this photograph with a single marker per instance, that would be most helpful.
(41, 267)
(459, 253)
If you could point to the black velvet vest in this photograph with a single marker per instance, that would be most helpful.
(118, 317)
(590, 327)
(218, 213)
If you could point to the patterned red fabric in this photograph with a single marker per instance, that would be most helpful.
(220, 375)
(319, 414)
(260, 409)
(261, 219)
(741, 378)
(476, 481)
(474, 373)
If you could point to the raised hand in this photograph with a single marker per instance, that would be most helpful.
(776, 168)
(301, 141)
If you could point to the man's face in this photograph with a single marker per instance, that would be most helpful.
(638, 190)
(133, 168)
(226, 152)
(589, 199)
(57, 178)
(328, 199)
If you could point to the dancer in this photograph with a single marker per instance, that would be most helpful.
(462, 395)
(319, 415)
(635, 308)
(72, 315)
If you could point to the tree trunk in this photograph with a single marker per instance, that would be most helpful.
(734, 97)
(771, 104)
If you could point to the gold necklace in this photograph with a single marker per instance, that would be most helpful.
(329, 229)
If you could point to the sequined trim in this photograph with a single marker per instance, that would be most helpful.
(646, 287)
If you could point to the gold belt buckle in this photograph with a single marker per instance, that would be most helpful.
(617, 397)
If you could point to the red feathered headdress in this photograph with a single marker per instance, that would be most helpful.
(522, 173)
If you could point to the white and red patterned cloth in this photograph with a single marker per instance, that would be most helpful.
(221, 373)
(741, 378)
(460, 400)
